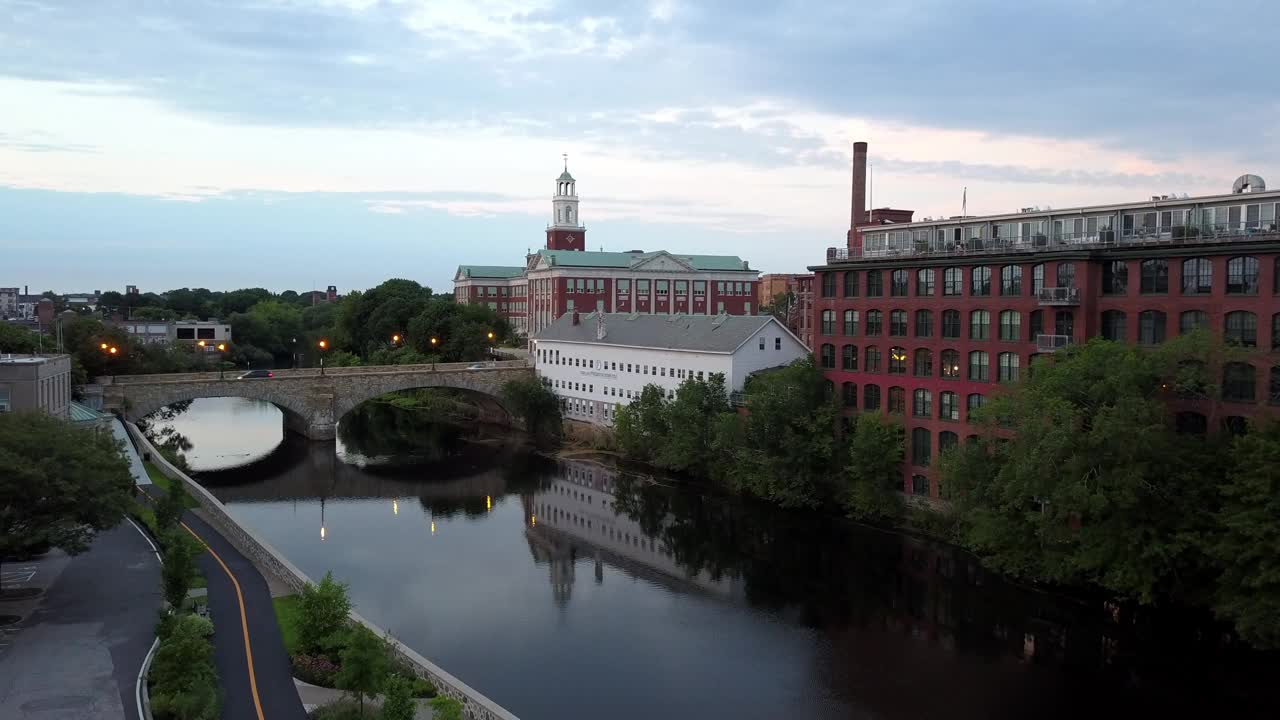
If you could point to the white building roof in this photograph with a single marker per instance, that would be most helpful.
(696, 333)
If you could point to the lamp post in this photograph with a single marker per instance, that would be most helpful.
(222, 347)
(324, 345)
(201, 345)
(493, 352)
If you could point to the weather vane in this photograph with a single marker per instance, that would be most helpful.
(566, 161)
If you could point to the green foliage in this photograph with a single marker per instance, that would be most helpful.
(1247, 548)
(340, 710)
(169, 507)
(323, 611)
(461, 331)
(364, 664)
(641, 425)
(690, 424)
(397, 699)
(184, 683)
(314, 669)
(342, 358)
(179, 566)
(15, 339)
(288, 611)
(874, 472)
(368, 320)
(535, 404)
(444, 707)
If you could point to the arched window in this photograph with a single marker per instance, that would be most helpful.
(1191, 423)
(1008, 367)
(1192, 320)
(898, 281)
(828, 356)
(870, 397)
(949, 405)
(919, 484)
(828, 390)
(947, 440)
(875, 322)
(1241, 328)
(828, 285)
(979, 366)
(1037, 279)
(871, 359)
(1113, 325)
(1235, 425)
(849, 357)
(1275, 331)
(849, 394)
(851, 283)
(1273, 387)
(923, 363)
(979, 325)
(1242, 276)
(897, 404)
(924, 323)
(1066, 273)
(897, 361)
(875, 283)
(898, 323)
(950, 365)
(951, 324)
(1064, 323)
(1011, 280)
(921, 452)
(1197, 276)
(952, 281)
(1152, 325)
(924, 282)
(980, 281)
(828, 322)
(1010, 325)
(1155, 277)
(1239, 382)
(1115, 277)
(973, 402)
(1036, 327)
(850, 322)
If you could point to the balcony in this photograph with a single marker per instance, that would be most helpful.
(1059, 296)
(738, 399)
(1052, 343)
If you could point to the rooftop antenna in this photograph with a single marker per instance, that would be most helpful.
(964, 202)
(566, 161)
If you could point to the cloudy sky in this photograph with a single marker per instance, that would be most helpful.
(301, 143)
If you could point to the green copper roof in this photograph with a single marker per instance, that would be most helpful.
(578, 258)
(84, 414)
(565, 176)
(490, 271)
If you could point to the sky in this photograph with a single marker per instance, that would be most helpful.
(294, 144)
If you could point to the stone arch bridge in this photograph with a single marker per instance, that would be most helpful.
(313, 403)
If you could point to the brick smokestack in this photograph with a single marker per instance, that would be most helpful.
(858, 208)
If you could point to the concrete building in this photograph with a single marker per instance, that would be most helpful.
(36, 382)
(211, 332)
(564, 276)
(597, 361)
(926, 319)
(149, 332)
(9, 298)
(799, 309)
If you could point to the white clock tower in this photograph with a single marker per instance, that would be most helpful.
(566, 231)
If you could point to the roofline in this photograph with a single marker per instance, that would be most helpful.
(637, 347)
(772, 319)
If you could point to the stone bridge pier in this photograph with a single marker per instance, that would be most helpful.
(312, 404)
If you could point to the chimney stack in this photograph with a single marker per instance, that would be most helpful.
(858, 211)
(576, 319)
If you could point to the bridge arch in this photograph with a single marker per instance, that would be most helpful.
(484, 385)
(143, 400)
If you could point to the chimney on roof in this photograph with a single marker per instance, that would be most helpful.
(858, 204)
(576, 319)
(601, 330)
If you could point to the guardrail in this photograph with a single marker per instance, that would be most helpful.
(1052, 343)
(311, 372)
(1059, 296)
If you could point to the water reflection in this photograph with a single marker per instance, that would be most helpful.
(232, 431)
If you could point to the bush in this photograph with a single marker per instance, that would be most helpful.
(322, 617)
(397, 699)
(340, 710)
(179, 567)
(184, 683)
(315, 669)
(422, 688)
(445, 708)
(364, 664)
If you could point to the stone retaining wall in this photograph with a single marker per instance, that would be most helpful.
(475, 705)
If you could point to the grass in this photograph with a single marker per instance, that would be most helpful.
(164, 482)
(143, 513)
(288, 610)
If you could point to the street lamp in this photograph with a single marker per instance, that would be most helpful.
(222, 347)
(493, 353)
(201, 345)
(395, 339)
(324, 345)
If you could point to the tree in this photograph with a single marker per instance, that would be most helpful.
(397, 699)
(444, 707)
(368, 320)
(179, 567)
(323, 611)
(640, 426)
(535, 404)
(59, 484)
(690, 424)
(364, 664)
(170, 506)
(16, 339)
(184, 683)
(1249, 534)
(874, 472)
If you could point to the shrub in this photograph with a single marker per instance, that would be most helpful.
(340, 710)
(184, 683)
(444, 707)
(397, 699)
(422, 688)
(322, 616)
(364, 664)
(315, 669)
(179, 567)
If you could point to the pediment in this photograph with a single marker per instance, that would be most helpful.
(662, 262)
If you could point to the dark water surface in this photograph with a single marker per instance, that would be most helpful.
(571, 590)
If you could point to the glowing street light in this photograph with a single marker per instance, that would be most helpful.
(222, 348)
(113, 350)
(324, 345)
(434, 341)
(395, 339)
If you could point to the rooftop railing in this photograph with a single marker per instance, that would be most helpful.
(1042, 242)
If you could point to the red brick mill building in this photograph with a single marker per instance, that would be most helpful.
(925, 320)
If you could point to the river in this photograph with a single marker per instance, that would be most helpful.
(570, 589)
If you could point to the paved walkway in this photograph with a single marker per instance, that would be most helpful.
(130, 453)
(77, 654)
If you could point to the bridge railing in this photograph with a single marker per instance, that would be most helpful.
(313, 372)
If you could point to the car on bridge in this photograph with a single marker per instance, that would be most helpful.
(255, 374)
(482, 366)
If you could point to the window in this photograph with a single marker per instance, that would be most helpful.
(947, 440)
(924, 282)
(4, 400)
(828, 355)
(851, 283)
(897, 404)
(1010, 325)
(662, 286)
(980, 281)
(1242, 276)
(920, 450)
(922, 403)
(1155, 277)
(923, 363)
(777, 343)
(828, 322)
(1151, 327)
(1192, 423)
(761, 342)
(828, 285)
(1113, 325)
(851, 322)
(951, 324)
(875, 283)
(979, 325)
(870, 397)
(1064, 323)
(699, 287)
(924, 323)
(1241, 328)
(919, 484)
(949, 406)
(898, 323)
(1192, 320)
(973, 402)
(875, 320)
(1197, 276)
(1275, 282)
(950, 365)
(898, 283)
(871, 359)
(897, 361)
(1238, 380)
(1066, 275)
(682, 287)
(1037, 279)
(979, 366)
(642, 287)
(1011, 280)
(1275, 331)
(849, 394)
(1008, 367)
(1274, 386)
(952, 281)
(849, 357)
(1037, 324)
(1115, 277)
(828, 391)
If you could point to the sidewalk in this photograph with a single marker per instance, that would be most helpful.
(313, 696)
(131, 454)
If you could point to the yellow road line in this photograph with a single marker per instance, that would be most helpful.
(244, 623)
